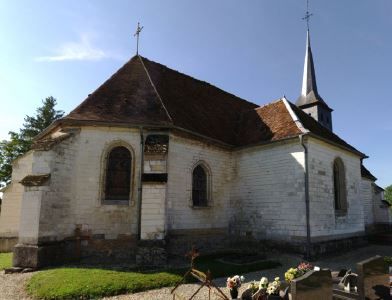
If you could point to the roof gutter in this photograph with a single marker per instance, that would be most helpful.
(140, 186)
(307, 198)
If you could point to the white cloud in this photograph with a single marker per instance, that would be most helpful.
(81, 50)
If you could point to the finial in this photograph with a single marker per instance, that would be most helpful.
(137, 33)
(307, 14)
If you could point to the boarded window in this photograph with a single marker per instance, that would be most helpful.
(118, 174)
(339, 183)
(199, 187)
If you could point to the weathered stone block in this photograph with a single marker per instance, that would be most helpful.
(151, 253)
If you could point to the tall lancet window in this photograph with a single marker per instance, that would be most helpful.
(118, 175)
(200, 186)
(339, 183)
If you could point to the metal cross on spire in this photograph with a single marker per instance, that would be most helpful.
(137, 33)
(307, 14)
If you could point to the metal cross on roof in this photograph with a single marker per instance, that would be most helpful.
(137, 33)
(307, 14)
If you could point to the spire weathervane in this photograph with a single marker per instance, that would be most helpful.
(307, 14)
(137, 33)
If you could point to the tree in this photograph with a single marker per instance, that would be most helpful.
(20, 142)
(388, 194)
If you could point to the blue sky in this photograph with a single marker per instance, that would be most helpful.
(254, 49)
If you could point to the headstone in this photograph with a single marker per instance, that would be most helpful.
(373, 280)
(312, 285)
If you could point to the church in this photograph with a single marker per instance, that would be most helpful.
(155, 161)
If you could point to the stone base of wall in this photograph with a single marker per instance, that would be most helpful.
(151, 253)
(318, 248)
(7, 243)
(38, 256)
(180, 242)
(122, 249)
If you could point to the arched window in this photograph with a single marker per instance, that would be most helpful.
(199, 186)
(339, 184)
(118, 174)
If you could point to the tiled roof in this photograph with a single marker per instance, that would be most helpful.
(144, 92)
(367, 174)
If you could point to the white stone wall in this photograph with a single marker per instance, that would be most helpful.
(10, 211)
(87, 186)
(324, 222)
(74, 195)
(367, 200)
(382, 212)
(183, 155)
(153, 211)
(268, 192)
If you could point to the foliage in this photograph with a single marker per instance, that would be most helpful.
(5, 261)
(388, 260)
(221, 269)
(20, 142)
(388, 194)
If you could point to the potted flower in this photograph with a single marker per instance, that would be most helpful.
(293, 273)
(233, 284)
(273, 289)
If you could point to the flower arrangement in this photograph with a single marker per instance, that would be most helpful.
(253, 286)
(263, 284)
(293, 273)
(233, 284)
(274, 287)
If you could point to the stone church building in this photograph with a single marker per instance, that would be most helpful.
(155, 159)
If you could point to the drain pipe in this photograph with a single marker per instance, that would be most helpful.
(140, 187)
(306, 175)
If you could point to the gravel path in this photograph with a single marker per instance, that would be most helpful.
(12, 285)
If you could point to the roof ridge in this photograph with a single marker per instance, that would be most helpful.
(294, 116)
(155, 89)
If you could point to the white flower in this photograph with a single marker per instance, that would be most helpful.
(264, 280)
(316, 268)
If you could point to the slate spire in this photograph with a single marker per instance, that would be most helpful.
(310, 101)
(309, 93)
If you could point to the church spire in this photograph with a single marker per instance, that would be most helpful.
(310, 101)
(309, 76)
(309, 93)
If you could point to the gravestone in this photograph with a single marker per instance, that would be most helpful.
(373, 279)
(312, 285)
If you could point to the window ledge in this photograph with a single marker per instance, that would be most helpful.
(340, 213)
(116, 202)
(201, 207)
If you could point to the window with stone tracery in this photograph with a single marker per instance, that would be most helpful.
(118, 175)
(339, 183)
(200, 186)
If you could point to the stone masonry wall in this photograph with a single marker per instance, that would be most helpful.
(94, 217)
(367, 200)
(73, 199)
(10, 213)
(184, 154)
(268, 192)
(324, 223)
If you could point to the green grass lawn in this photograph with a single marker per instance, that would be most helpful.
(83, 283)
(86, 283)
(5, 260)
